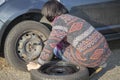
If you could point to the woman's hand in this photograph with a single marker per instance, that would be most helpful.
(33, 65)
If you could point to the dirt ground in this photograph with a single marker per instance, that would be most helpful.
(112, 72)
(9, 73)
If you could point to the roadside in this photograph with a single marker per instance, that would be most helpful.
(112, 72)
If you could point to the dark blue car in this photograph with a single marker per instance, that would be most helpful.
(23, 30)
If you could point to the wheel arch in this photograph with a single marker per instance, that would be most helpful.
(33, 14)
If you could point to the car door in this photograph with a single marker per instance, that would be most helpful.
(104, 15)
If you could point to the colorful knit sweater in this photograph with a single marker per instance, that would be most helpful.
(87, 47)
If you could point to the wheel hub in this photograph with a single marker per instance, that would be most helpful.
(30, 46)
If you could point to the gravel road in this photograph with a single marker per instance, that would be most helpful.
(112, 72)
(9, 73)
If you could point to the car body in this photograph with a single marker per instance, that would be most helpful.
(102, 14)
(12, 10)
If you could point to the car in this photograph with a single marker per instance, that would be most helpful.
(23, 30)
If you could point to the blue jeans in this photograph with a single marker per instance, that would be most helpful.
(59, 53)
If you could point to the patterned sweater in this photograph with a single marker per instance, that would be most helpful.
(88, 46)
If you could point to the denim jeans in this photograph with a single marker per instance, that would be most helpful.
(59, 53)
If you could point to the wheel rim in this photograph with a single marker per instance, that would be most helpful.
(30, 44)
(59, 69)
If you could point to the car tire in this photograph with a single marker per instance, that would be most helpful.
(21, 40)
(60, 71)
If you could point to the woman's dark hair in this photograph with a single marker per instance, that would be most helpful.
(53, 8)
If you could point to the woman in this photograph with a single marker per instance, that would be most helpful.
(72, 39)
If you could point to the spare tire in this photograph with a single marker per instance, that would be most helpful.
(60, 71)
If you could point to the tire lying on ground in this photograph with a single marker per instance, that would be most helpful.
(24, 43)
(60, 71)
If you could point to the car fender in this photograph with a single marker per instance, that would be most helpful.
(10, 13)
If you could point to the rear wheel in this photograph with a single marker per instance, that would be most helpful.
(25, 42)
